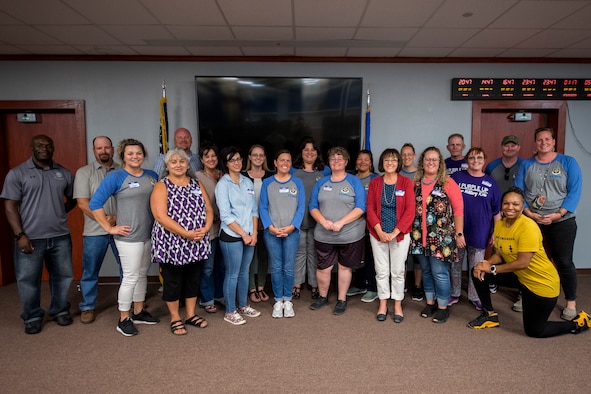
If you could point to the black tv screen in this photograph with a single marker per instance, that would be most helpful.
(277, 112)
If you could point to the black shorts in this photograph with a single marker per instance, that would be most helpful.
(180, 281)
(349, 255)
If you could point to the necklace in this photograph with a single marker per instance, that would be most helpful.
(428, 183)
(393, 194)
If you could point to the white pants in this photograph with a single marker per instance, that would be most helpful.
(389, 260)
(135, 263)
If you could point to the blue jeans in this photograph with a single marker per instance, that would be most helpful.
(436, 281)
(95, 249)
(211, 285)
(282, 253)
(57, 253)
(237, 258)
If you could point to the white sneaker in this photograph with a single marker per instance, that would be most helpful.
(249, 311)
(518, 306)
(234, 318)
(277, 309)
(288, 309)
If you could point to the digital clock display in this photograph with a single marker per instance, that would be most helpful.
(520, 89)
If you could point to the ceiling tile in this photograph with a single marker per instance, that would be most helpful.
(113, 50)
(536, 14)
(481, 13)
(425, 52)
(578, 20)
(572, 52)
(334, 13)
(137, 35)
(475, 52)
(499, 38)
(399, 13)
(160, 51)
(201, 32)
(429, 38)
(185, 12)
(540, 52)
(25, 35)
(257, 12)
(113, 12)
(324, 33)
(46, 12)
(11, 50)
(80, 35)
(53, 49)
(215, 51)
(268, 51)
(321, 52)
(263, 33)
(554, 39)
(372, 52)
(385, 33)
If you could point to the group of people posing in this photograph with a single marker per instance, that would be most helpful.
(216, 226)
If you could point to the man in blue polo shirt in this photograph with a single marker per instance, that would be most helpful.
(33, 196)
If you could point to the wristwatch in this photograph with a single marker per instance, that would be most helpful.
(459, 235)
(18, 236)
(493, 270)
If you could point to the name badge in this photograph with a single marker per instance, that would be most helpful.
(400, 193)
(437, 193)
(250, 192)
(133, 185)
(327, 188)
(284, 190)
(195, 191)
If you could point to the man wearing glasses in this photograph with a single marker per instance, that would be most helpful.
(504, 169)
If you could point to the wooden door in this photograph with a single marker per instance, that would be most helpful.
(62, 121)
(492, 120)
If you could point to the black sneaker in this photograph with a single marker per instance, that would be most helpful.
(144, 317)
(33, 327)
(417, 293)
(127, 328)
(319, 303)
(340, 307)
(485, 320)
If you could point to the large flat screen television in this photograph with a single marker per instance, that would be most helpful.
(278, 112)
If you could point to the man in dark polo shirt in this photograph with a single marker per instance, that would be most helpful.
(33, 196)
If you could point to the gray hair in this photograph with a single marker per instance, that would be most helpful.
(179, 152)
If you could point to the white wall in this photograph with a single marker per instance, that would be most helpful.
(410, 102)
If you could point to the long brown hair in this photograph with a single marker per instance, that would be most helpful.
(441, 172)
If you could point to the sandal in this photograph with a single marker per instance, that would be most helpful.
(262, 295)
(177, 325)
(210, 308)
(196, 321)
(295, 293)
(254, 296)
(428, 311)
(441, 316)
(315, 293)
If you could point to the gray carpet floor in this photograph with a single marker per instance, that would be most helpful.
(312, 352)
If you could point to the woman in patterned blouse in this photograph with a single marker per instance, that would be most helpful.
(180, 242)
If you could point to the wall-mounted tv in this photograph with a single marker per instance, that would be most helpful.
(277, 112)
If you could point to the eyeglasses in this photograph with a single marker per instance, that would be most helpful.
(237, 160)
(333, 159)
(507, 170)
(476, 158)
(257, 155)
(431, 159)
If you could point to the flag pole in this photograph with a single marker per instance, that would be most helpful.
(367, 140)
(163, 121)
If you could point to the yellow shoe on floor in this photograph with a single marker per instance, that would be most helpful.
(582, 319)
